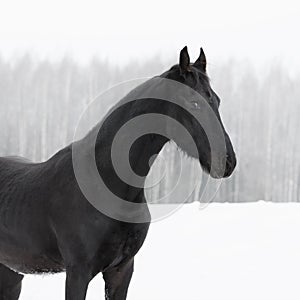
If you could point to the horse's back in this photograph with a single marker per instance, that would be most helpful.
(11, 162)
(15, 173)
(26, 235)
(12, 168)
(17, 159)
(20, 180)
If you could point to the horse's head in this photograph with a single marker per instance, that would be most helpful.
(194, 76)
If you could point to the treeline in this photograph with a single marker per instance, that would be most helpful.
(41, 103)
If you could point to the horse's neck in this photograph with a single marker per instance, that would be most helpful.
(144, 151)
(141, 152)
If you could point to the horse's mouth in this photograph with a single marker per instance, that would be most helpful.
(221, 172)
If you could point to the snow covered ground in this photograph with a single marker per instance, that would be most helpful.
(226, 251)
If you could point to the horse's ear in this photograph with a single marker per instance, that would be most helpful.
(200, 63)
(184, 60)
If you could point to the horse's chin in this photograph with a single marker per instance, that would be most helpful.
(216, 174)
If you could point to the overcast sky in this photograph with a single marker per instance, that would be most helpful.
(122, 31)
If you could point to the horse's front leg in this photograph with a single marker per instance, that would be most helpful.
(10, 284)
(77, 282)
(117, 281)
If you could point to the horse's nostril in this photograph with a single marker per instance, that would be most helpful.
(228, 164)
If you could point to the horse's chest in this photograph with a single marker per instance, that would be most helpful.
(126, 243)
(134, 241)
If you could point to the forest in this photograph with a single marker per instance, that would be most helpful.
(41, 103)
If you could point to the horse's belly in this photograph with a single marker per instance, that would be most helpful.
(30, 260)
(35, 266)
(32, 264)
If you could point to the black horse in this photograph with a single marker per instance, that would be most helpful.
(48, 226)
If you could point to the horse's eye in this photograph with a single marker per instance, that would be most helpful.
(195, 104)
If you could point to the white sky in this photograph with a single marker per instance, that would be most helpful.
(133, 29)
